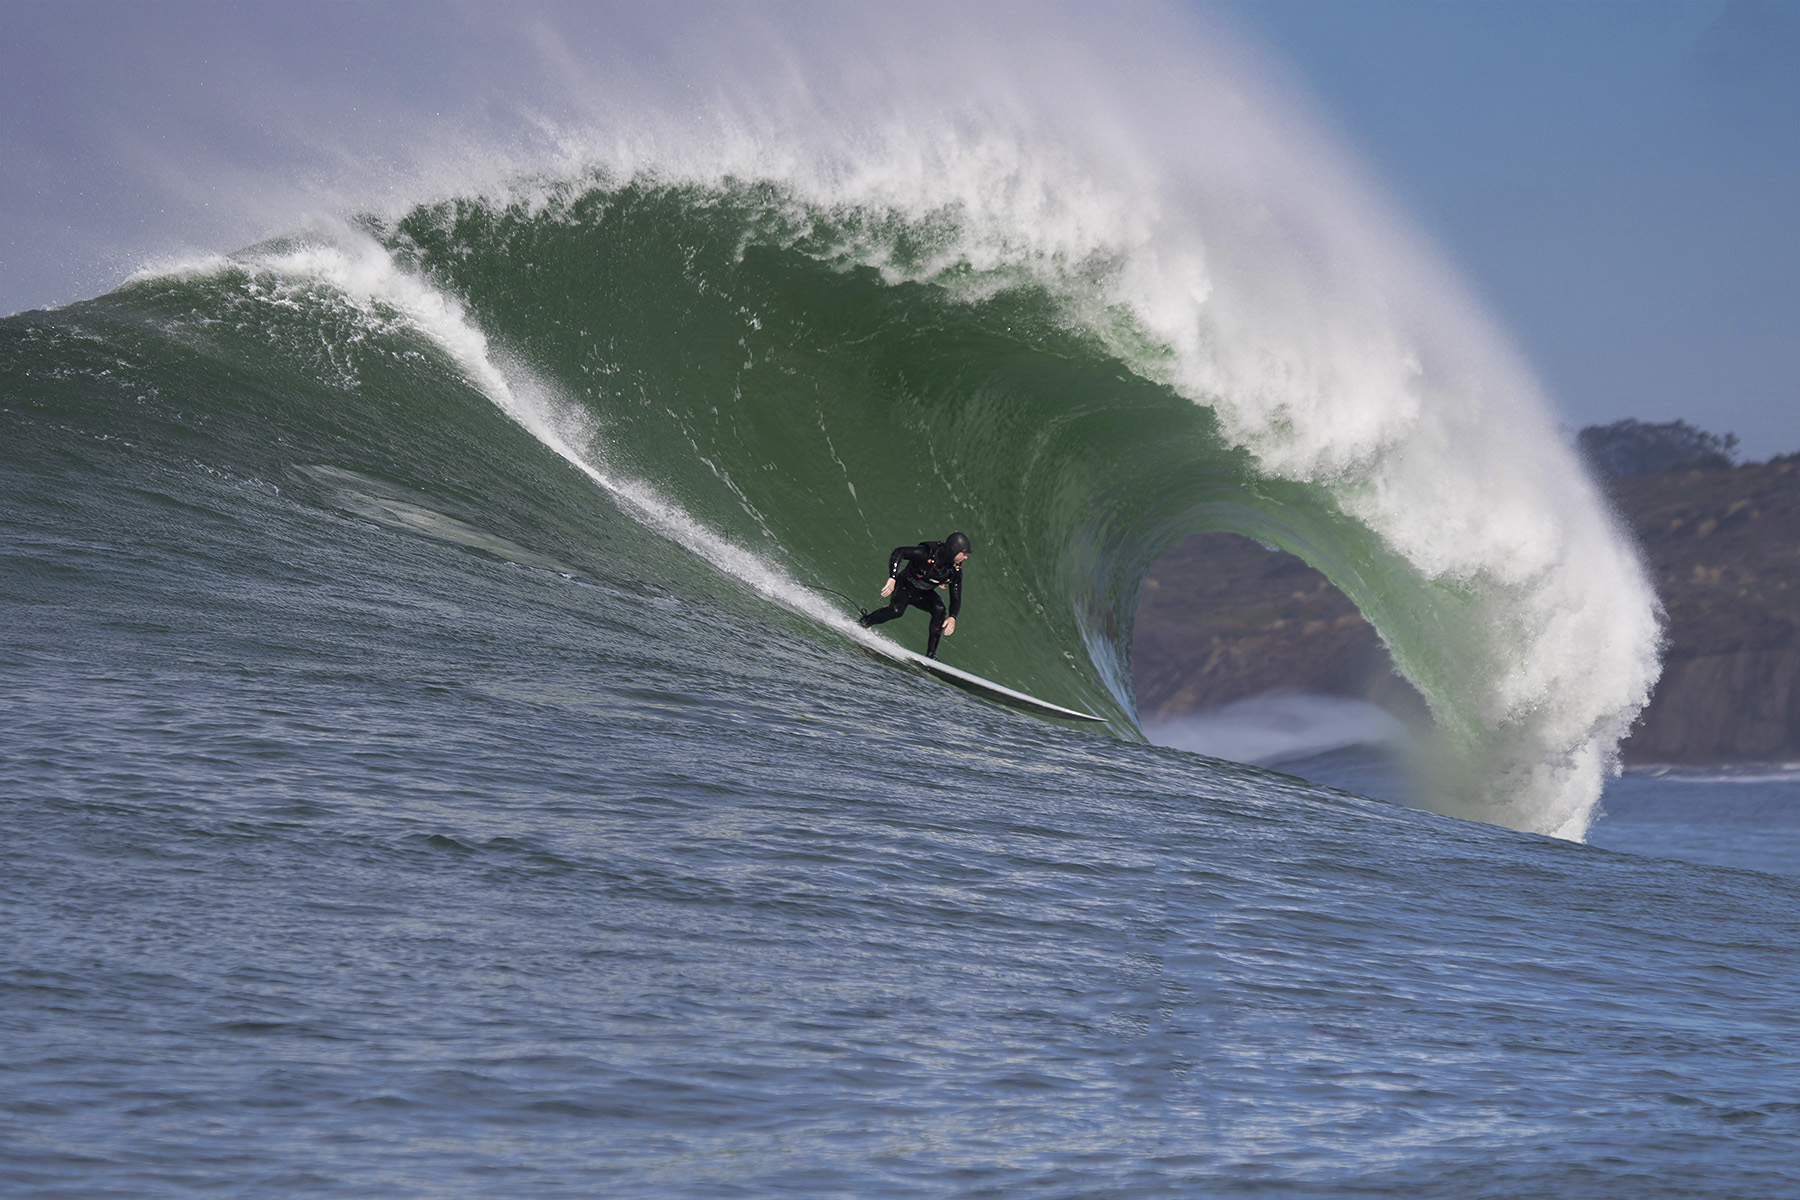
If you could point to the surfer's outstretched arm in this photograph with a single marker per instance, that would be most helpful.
(905, 554)
(934, 604)
(902, 554)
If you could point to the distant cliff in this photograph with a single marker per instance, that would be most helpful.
(1222, 619)
(1724, 546)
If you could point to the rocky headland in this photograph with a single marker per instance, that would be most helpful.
(1222, 618)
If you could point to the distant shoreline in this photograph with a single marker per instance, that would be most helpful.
(1223, 619)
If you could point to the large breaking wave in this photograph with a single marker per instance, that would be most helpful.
(1079, 304)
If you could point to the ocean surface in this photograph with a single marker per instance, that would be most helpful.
(436, 759)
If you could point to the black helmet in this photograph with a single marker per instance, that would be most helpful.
(958, 543)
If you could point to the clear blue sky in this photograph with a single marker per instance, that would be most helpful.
(1620, 182)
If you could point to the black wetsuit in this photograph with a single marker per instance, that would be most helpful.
(918, 572)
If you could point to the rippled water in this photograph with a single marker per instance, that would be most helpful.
(342, 861)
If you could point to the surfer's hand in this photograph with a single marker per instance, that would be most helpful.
(949, 626)
(887, 589)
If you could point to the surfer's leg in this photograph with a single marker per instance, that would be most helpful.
(894, 609)
(935, 603)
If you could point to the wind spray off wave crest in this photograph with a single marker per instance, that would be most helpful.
(1101, 285)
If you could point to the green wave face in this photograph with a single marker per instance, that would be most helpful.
(807, 408)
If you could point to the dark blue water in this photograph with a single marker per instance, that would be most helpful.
(1745, 816)
(1748, 820)
(340, 860)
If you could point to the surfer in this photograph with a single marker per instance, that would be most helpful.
(915, 575)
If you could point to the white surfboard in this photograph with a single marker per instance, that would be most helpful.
(999, 693)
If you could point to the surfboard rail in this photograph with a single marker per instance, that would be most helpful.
(999, 693)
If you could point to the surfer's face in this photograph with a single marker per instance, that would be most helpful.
(958, 560)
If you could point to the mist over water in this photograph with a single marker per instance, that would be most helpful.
(1281, 727)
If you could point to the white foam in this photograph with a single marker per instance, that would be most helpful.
(1749, 772)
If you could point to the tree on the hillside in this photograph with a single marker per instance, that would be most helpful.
(1627, 448)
